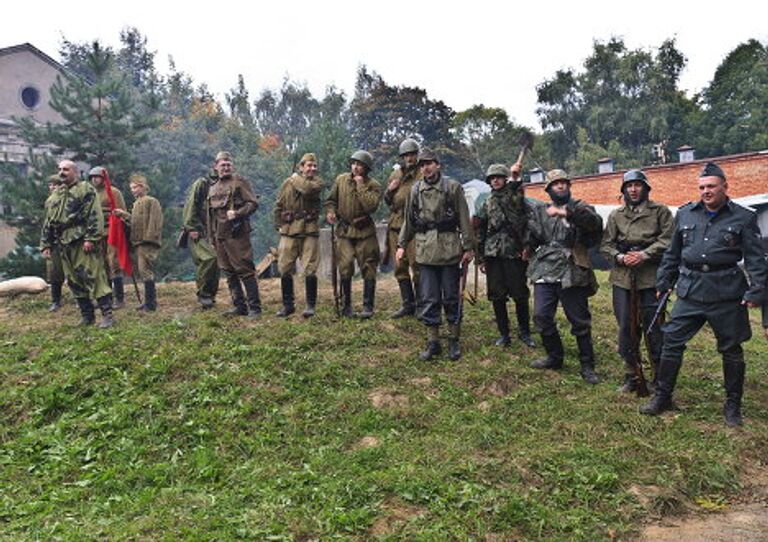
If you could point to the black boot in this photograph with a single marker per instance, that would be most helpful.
(408, 298)
(346, 298)
(502, 322)
(554, 348)
(252, 296)
(587, 359)
(733, 373)
(286, 287)
(369, 296)
(433, 348)
(629, 385)
(105, 306)
(55, 296)
(665, 385)
(87, 317)
(150, 296)
(310, 288)
(454, 351)
(524, 322)
(238, 297)
(119, 290)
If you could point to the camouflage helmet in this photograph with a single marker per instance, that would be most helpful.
(634, 175)
(98, 171)
(496, 170)
(556, 175)
(428, 155)
(364, 157)
(407, 146)
(223, 155)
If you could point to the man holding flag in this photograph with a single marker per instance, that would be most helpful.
(110, 199)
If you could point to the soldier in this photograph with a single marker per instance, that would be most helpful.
(296, 212)
(146, 221)
(54, 269)
(710, 237)
(560, 234)
(437, 218)
(195, 222)
(501, 224)
(232, 202)
(114, 273)
(354, 197)
(74, 223)
(636, 235)
(400, 183)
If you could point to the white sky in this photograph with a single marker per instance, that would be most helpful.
(494, 53)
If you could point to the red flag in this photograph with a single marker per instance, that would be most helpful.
(116, 236)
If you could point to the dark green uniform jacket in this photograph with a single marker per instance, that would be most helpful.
(73, 215)
(501, 223)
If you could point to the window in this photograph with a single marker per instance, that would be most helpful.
(30, 97)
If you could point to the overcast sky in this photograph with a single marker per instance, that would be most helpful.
(494, 53)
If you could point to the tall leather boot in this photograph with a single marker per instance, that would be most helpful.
(252, 296)
(733, 373)
(118, 289)
(433, 348)
(369, 296)
(55, 296)
(502, 322)
(238, 297)
(150, 296)
(87, 317)
(105, 306)
(286, 287)
(587, 359)
(310, 288)
(553, 345)
(523, 313)
(454, 351)
(346, 298)
(665, 385)
(408, 298)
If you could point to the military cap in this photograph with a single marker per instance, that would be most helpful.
(428, 155)
(308, 157)
(635, 175)
(556, 175)
(54, 178)
(223, 155)
(98, 171)
(712, 170)
(364, 157)
(408, 145)
(496, 170)
(138, 178)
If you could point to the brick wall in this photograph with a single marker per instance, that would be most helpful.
(673, 184)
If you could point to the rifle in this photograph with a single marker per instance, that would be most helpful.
(660, 310)
(334, 273)
(634, 335)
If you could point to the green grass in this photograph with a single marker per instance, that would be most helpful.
(184, 425)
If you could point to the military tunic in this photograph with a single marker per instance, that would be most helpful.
(355, 230)
(146, 223)
(231, 238)
(395, 200)
(296, 214)
(72, 217)
(646, 228)
(195, 219)
(113, 266)
(54, 268)
(437, 220)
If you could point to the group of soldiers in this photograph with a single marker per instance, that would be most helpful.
(516, 240)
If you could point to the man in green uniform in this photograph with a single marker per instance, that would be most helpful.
(232, 202)
(559, 235)
(297, 210)
(74, 223)
(114, 273)
(395, 196)
(54, 269)
(635, 237)
(195, 221)
(437, 218)
(353, 198)
(146, 221)
(501, 224)
(710, 237)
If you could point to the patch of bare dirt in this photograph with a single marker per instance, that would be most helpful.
(497, 388)
(387, 399)
(394, 514)
(366, 442)
(742, 523)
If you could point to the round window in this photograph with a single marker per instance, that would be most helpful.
(30, 97)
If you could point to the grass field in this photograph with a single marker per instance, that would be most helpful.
(185, 425)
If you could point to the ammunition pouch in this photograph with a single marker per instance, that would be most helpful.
(626, 246)
(422, 226)
(286, 217)
(359, 223)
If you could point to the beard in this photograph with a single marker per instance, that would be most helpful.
(559, 199)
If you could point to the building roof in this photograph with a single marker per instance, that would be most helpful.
(34, 50)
